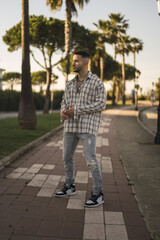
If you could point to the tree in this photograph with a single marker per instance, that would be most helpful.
(39, 78)
(117, 27)
(46, 36)
(27, 114)
(136, 45)
(70, 10)
(122, 48)
(89, 45)
(11, 78)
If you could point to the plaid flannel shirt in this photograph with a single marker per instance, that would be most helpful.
(88, 101)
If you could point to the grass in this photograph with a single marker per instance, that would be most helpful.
(12, 137)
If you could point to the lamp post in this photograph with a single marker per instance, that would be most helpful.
(157, 137)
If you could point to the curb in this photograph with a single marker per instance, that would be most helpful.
(13, 156)
(142, 124)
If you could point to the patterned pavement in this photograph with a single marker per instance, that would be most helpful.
(30, 211)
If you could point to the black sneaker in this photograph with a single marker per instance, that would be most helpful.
(66, 191)
(95, 200)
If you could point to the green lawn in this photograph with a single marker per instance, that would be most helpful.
(12, 137)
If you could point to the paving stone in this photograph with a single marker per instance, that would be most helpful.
(54, 213)
(106, 130)
(33, 170)
(94, 217)
(104, 124)
(14, 175)
(114, 218)
(133, 219)
(81, 177)
(38, 180)
(48, 166)
(98, 141)
(117, 232)
(28, 227)
(74, 215)
(105, 142)
(94, 231)
(15, 189)
(40, 202)
(79, 195)
(72, 230)
(35, 212)
(27, 176)
(36, 183)
(20, 170)
(76, 203)
(37, 165)
(49, 228)
(30, 191)
(46, 192)
(138, 232)
(7, 225)
(23, 200)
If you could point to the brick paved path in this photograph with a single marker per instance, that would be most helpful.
(29, 210)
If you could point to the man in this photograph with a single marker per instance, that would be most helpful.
(81, 107)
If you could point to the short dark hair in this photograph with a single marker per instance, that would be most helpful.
(82, 53)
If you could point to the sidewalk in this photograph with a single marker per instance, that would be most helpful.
(29, 210)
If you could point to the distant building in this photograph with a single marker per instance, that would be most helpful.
(1, 70)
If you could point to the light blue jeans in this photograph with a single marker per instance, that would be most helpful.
(70, 141)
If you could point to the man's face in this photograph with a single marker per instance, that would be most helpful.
(77, 63)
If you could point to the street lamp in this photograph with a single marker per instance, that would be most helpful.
(158, 4)
(157, 137)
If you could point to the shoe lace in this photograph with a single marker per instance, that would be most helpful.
(65, 187)
(93, 197)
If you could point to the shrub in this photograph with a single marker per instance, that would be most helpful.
(9, 100)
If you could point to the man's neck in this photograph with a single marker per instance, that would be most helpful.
(82, 76)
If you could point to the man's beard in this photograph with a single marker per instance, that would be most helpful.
(77, 70)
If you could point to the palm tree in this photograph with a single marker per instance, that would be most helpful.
(27, 114)
(122, 48)
(136, 45)
(117, 26)
(103, 37)
(70, 10)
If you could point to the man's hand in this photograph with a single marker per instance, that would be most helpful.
(65, 114)
(70, 111)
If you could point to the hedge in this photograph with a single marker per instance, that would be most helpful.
(9, 100)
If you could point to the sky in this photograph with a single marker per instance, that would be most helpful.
(144, 24)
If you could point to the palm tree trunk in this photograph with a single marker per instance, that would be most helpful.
(90, 64)
(68, 34)
(27, 114)
(117, 93)
(101, 68)
(47, 96)
(114, 80)
(123, 81)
